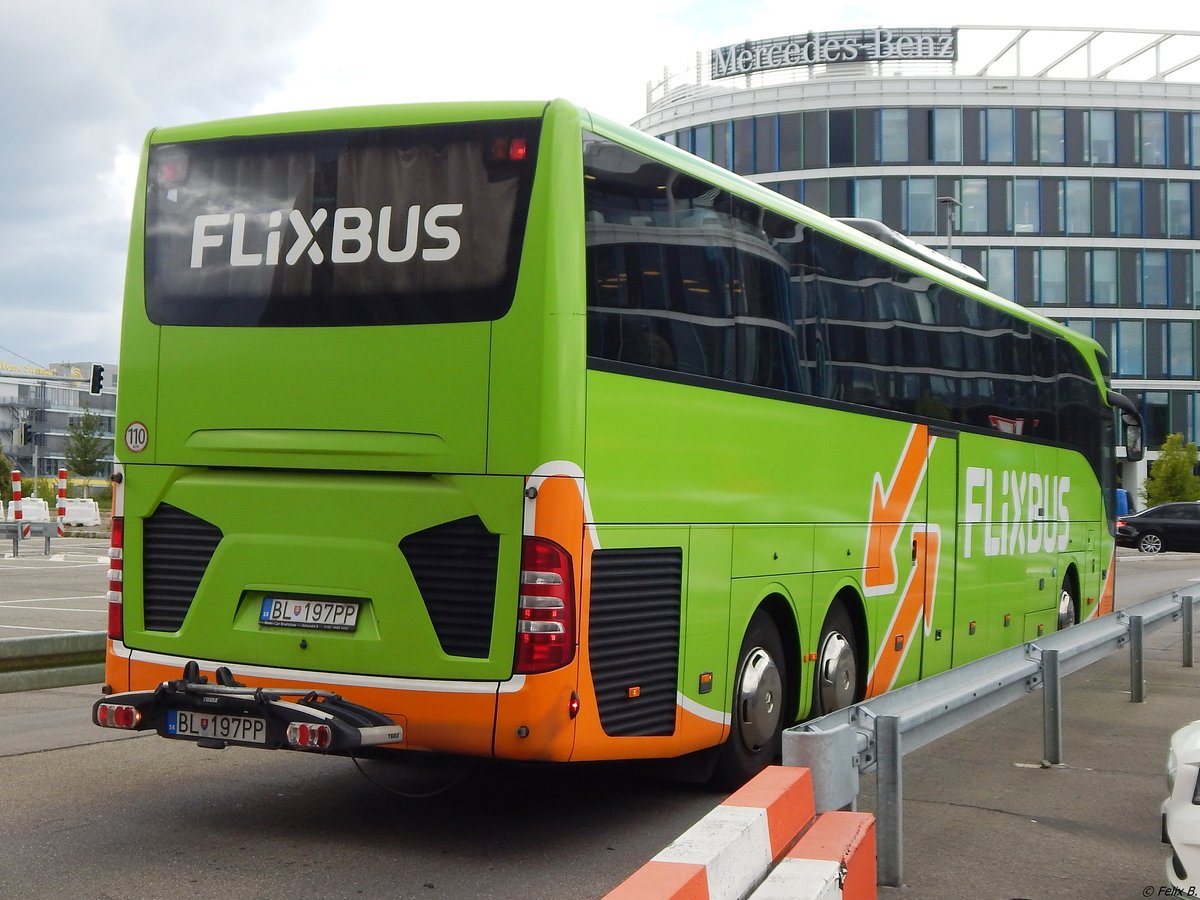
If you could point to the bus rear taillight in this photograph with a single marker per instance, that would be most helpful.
(114, 715)
(546, 608)
(305, 736)
(116, 574)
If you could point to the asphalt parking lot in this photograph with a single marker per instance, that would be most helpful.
(983, 817)
(63, 591)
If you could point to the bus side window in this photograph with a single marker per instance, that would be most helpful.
(767, 352)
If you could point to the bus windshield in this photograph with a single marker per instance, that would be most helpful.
(382, 226)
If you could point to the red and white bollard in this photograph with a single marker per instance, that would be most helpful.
(17, 506)
(61, 512)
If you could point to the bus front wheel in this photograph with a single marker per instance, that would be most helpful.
(836, 682)
(758, 705)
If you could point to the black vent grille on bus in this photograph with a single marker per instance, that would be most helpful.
(176, 549)
(634, 638)
(454, 565)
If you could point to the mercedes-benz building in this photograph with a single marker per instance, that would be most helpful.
(1063, 164)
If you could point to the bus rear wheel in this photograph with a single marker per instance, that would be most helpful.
(836, 682)
(1068, 606)
(758, 705)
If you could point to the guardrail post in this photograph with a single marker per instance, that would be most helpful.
(1137, 661)
(889, 818)
(832, 758)
(1189, 619)
(1051, 708)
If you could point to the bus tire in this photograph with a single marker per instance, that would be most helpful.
(757, 719)
(1068, 604)
(837, 679)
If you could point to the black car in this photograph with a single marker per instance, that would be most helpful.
(1168, 526)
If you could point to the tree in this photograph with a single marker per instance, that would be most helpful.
(86, 447)
(1172, 475)
(5, 478)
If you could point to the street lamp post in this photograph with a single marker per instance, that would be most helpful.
(953, 205)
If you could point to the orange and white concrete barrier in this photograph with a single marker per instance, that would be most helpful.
(61, 512)
(844, 841)
(729, 852)
(16, 506)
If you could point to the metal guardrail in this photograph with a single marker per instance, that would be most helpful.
(12, 531)
(50, 661)
(876, 733)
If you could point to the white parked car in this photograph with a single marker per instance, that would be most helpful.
(1181, 810)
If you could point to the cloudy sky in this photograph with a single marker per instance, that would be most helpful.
(84, 80)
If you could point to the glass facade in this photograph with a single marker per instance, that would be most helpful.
(1068, 209)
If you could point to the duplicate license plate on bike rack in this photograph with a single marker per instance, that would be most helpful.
(294, 612)
(244, 729)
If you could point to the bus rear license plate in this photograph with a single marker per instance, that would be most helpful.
(331, 615)
(243, 729)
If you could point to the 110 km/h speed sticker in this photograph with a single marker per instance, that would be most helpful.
(136, 437)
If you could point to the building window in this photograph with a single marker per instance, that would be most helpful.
(743, 146)
(789, 142)
(816, 194)
(720, 144)
(1051, 136)
(1154, 138)
(947, 135)
(1086, 327)
(1052, 276)
(1026, 210)
(922, 206)
(1181, 344)
(868, 198)
(1154, 284)
(1001, 271)
(1102, 137)
(1194, 140)
(1179, 209)
(703, 142)
(1101, 286)
(999, 137)
(1131, 351)
(841, 137)
(1054, 206)
(1129, 208)
(816, 139)
(766, 142)
(893, 135)
(1079, 206)
(974, 212)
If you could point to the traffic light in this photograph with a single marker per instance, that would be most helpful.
(97, 378)
(21, 435)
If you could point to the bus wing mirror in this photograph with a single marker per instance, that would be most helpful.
(1132, 420)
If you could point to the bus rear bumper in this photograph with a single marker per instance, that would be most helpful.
(229, 713)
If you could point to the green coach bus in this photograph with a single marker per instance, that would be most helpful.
(505, 431)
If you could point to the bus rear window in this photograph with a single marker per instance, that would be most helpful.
(391, 226)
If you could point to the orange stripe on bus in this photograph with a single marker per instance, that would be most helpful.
(907, 618)
(1108, 594)
(890, 508)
